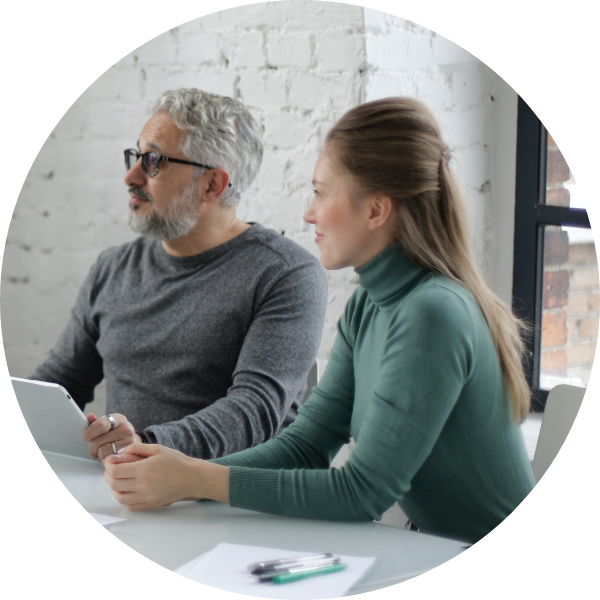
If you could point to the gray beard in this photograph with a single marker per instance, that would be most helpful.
(170, 223)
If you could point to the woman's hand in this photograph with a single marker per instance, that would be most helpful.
(144, 476)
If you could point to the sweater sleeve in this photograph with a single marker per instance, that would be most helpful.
(74, 362)
(278, 350)
(322, 425)
(427, 357)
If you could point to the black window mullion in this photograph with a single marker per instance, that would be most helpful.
(562, 215)
(532, 214)
(530, 192)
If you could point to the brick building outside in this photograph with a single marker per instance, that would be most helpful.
(571, 289)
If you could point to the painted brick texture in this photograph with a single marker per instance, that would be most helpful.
(298, 66)
(404, 58)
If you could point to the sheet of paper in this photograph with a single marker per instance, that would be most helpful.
(225, 567)
(106, 519)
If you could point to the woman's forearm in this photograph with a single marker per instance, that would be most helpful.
(211, 481)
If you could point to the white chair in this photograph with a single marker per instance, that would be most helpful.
(561, 409)
(311, 380)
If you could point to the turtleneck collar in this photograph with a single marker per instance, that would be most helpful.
(388, 275)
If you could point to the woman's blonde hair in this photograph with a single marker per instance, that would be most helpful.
(394, 146)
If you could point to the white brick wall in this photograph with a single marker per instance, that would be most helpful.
(289, 50)
(298, 66)
(477, 113)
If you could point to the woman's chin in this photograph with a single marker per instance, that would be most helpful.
(331, 264)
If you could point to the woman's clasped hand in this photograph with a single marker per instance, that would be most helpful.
(145, 476)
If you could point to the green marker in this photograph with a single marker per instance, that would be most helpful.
(289, 577)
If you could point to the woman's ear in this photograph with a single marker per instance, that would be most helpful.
(381, 211)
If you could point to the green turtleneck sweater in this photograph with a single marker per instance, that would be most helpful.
(415, 379)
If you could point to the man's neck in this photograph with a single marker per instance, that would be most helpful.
(212, 230)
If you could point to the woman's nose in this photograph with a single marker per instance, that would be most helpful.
(309, 214)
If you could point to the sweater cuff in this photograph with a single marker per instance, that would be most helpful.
(256, 489)
(147, 437)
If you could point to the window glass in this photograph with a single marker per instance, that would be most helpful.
(577, 235)
(561, 187)
(559, 181)
(570, 306)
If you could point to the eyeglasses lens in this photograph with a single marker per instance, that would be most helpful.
(150, 162)
(130, 158)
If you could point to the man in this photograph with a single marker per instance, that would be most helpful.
(205, 326)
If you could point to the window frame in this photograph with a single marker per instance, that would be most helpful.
(531, 215)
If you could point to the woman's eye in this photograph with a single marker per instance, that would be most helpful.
(316, 192)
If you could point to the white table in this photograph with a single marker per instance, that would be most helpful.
(173, 535)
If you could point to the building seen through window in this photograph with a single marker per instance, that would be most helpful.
(555, 278)
(570, 290)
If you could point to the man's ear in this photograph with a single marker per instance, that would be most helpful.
(381, 211)
(216, 185)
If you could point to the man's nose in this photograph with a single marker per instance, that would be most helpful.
(136, 176)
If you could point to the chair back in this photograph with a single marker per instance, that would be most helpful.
(311, 380)
(561, 409)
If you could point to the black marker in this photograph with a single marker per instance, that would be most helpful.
(260, 567)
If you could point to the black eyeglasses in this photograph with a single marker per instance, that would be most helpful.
(151, 162)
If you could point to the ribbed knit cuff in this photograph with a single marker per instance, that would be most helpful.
(147, 437)
(256, 489)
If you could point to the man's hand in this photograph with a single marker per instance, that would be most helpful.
(99, 435)
(145, 476)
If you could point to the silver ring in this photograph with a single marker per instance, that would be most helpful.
(111, 421)
(114, 448)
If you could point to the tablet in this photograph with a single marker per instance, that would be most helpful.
(55, 421)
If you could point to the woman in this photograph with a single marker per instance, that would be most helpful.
(425, 372)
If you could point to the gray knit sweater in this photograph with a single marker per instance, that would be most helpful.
(208, 353)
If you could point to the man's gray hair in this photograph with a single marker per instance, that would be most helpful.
(220, 133)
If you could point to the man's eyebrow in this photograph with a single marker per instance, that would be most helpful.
(150, 145)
